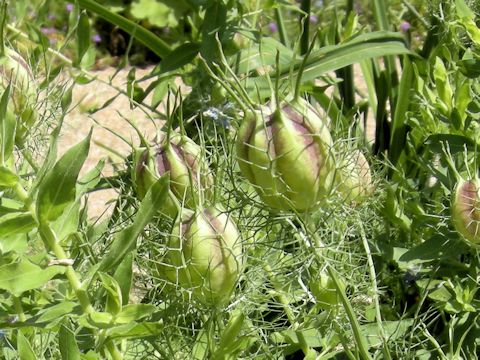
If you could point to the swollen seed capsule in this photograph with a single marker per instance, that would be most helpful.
(204, 255)
(354, 177)
(466, 210)
(15, 71)
(285, 155)
(183, 160)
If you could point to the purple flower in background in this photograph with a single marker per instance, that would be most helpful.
(48, 30)
(405, 26)
(52, 41)
(51, 17)
(69, 7)
(272, 27)
(96, 38)
(313, 19)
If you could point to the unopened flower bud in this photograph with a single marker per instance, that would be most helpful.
(183, 160)
(204, 255)
(466, 210)
(285, 154)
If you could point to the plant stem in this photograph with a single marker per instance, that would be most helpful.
(282, 32)
(17, 303)
(51, 243)
(373, 277)
(305, 24)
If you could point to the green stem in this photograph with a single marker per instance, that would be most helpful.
(51, 243)
(373, 277)
(305, 23)
(17, 303)
(288, 311)
(116, 355)
(282, 32)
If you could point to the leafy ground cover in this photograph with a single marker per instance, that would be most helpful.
(252, 216)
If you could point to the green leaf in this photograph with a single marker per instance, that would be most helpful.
(7, 177)
(50, 158)
(438, 247)
(123, 275)
(25, 351)
(180, 56)
(136, 330)
(57, 189)
(334, 57)
(114, 297)
(456, 143)
(16, 223)
(134, 312)
(91, 179)
(67, 344)
(83, 36)
(393, 330)
(126, 240)
(469, 67)
(100, 320)
(57, 312)
(156, 13)
(214, 23)
(399, 130)
(146, 37)
(22, 276)
(67, 222)
(67, 99)
(7, 128)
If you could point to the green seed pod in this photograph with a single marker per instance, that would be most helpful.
(204, 255)
(466, 210)
(354, 178)
(285, 154)
(182, 158)
(15, 70)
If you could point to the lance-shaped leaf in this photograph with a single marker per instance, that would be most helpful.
(7, 127)
(334, 57)
(126, 240)
(57, 189)
(22, 276)
(67, 344)
(16, 223)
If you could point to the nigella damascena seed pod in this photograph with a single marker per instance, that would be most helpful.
(183, 160)
(466, 209)
(14, 70)
(204, 255)
(354, 177)
(285, 153)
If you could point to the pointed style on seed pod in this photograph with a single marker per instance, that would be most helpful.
(182, 159)
(285, 153)
(204, 255)
(466, 209)
(14, 70)
(354, 178)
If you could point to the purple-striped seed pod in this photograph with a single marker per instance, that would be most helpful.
(285, 153)
(204, 255)
(465, 210)
(183, 160)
